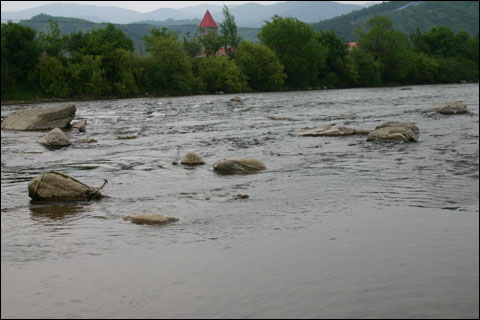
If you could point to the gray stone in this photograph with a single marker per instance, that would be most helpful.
(238, 165)
(395, 131)
(126, 136)
(236, 99)
(58, 186)
(451, 107)
(40, 119)
(192, 159)
(80, 125)
(150, 218)
(55, 139)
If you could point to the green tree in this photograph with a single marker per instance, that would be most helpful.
(124, 84)
(454, 70)
(20, 53)
(221, 74)
(106, 44)
(299, 51)
(76, 44)
(423, 69)
(228, 29)
(52, 77)
(51, 42)
(387, 46)
(338, 71)
(368, 69)
(192, 45)
(210, 43)
(171, 71)
(441, 42)
(261, 66)
(105, 41)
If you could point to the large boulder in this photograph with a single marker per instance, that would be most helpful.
(55, 139)
(58, 186)
(395, 131)
(40, 119)
(239, 165)
(150, 218)
(450, 107)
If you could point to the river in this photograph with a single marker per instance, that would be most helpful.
(335, 227)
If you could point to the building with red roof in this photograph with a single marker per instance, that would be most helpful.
(351, 45)
(207, 24)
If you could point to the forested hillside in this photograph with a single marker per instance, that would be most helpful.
(407, 16)
(135, 31)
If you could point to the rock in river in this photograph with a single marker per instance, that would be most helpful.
(192, 159)
(236, 99)
(239, 165)
(150, 218)
(55, 139)
(331, 131)
(397, 131)
(40, 119)
(80, 125)
(58, 186)
(451, 107)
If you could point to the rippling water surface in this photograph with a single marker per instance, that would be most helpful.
(335, 227)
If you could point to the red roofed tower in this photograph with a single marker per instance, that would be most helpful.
(207, 24)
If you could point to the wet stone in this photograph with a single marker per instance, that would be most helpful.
(192, 159)
(239, 165)
(150, 218)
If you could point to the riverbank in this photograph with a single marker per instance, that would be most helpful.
(92, 98)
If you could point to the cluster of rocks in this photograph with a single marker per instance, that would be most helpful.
(58, 186)
(389, 131)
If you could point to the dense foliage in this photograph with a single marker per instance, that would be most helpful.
(103, 63)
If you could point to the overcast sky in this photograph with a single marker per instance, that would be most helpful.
(140, 6)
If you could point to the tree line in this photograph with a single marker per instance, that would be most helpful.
(290, 55)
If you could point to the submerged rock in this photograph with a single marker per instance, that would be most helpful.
(396, 131)
(451, 107)
(280, 118)
(55, 139)
(126, 136)
(86, 140)
(40, 119)
(58, 186)
(331, 131)
(150, 218)
(192, 159)
(239, 165)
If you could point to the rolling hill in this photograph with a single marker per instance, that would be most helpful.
(407, 16)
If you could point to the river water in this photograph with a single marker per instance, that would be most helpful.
(335, 227)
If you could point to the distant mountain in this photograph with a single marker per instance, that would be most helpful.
(81, 11)
(407, 16)
(246, 15)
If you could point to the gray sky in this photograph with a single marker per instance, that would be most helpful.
(140, 6)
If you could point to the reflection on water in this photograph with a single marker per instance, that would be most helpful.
(54, 212)
(334, 227)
